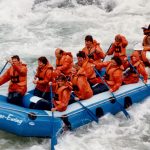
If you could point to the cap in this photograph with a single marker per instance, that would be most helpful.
(146, 27)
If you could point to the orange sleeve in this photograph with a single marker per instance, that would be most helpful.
(47, 77)
(67, 61)
(141, 70)
(64, 102)
(117, 77)
(124, 41)
(99, 52)
(100, 65)
(21, 70)
(82, 83)
(5, 77)
(111, 50)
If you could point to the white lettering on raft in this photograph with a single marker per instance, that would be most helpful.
(11, 118)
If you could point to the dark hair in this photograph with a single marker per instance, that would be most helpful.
(89, 38)
(61, 51)
(117, 60)
(81, 54)
(61, 77)
(43, 59)
(15, 57)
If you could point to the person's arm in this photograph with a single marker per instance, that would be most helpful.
(141, 70)
(117, 78)
(5, 77)
(21, 69)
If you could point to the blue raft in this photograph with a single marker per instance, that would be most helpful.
(24, 121)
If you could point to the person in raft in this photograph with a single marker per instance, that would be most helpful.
(132, 75)
(114, 73)
(17, 75)
(43, 76)
(94, 81)
(93, 50)
(80, 85)
(118, 49)
(64, 62)
(62, 93)
(146, 46)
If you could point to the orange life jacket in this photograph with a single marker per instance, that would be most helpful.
(114, 77)
(65, 63)
(119, 50)
(44, 76)
(96, 52)
(18, 78)
(63, 93)
(79, 82)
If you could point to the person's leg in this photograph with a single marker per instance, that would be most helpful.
(99, 88)
(42, 105)
(15, 98)
(37, 93)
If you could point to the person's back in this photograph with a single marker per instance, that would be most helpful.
(132, 75)
(62, 94)
(64, 61)
(79, 82)
(17, 75)
(114, 74)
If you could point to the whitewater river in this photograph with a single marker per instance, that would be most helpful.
(34, 28)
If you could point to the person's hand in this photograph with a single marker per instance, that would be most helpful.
(50, 83)
(58, 102)
(9, 60)
(53, 109)
(35, 81)
(145, 81)
(111, 90)
(76, 98)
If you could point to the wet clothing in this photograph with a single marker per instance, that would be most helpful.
(17, 75)
(99, 88)
(90, 73)
(65, 63)
(15, 98)
(113, 76)
(119, 50)
(62, 96)
(44, 75)
(131, 76)
(43, 105)
(80, 85)
(95, 53)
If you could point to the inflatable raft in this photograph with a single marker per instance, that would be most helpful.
(24, 121)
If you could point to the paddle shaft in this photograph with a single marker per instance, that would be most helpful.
(3, 67)
(107, 52)
(121, 107)
(53, 139)
(91, 114)
(137, 73)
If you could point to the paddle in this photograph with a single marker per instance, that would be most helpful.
(137, 73)
(121, 107)
(53, 138)
(107, 52)
(3, 67)
(91, 114)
